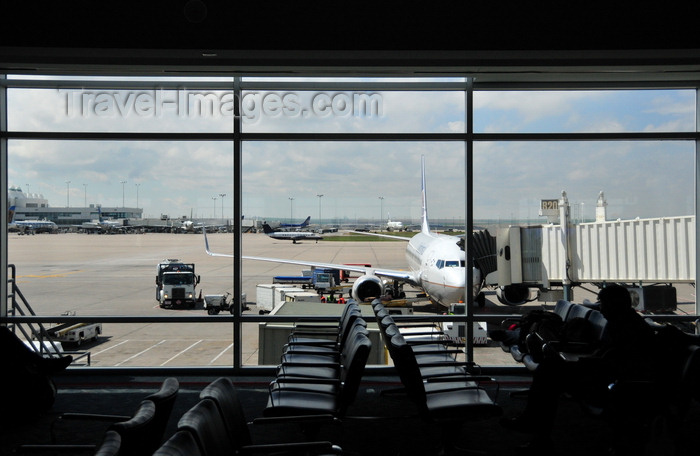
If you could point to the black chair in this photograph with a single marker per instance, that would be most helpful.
(131, 435)
(328, 328)
(111, 444)
(163, 401)
(318, 396)
(225, 396)
(206, 424)
(182, 443)
(446, 400)
(318, 363)
(312, 337)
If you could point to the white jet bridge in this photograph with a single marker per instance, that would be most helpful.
(636, 252)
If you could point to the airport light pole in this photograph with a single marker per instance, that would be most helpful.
(222, 205)
(291, 209)
(320, 195)
(213, 215)
(137, 195)
(67, 193)
(123, 182)
(85, 194)
(381, 210)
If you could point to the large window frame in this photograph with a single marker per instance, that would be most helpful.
(238, 136)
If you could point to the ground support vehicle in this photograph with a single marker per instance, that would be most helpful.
(218, 303)
(176, 283)
(75, 333)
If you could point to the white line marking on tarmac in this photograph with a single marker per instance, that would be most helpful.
(220, 354)
(140, 353)
(178, 354)
(109, 348)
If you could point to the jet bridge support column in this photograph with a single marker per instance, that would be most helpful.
(564, 221)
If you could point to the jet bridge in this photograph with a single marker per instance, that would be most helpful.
(636, 252)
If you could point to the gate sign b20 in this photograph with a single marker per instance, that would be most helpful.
(549, 207)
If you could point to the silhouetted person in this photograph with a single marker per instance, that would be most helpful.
(25, 382)
(627, 354)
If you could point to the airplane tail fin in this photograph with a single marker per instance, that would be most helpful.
(99, 213)
(267, 229)
(305, 223)
(425, 227)
(11, 214)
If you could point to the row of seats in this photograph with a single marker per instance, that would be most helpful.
(672, 388)
(567, 311)
(321, 368)
(440, 386)
(217, 426)
(136, 435)
(214, 426)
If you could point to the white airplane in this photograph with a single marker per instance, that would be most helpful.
(436, 265)
(393, 225)
(101, 224)
(293, 236)
(29, 226)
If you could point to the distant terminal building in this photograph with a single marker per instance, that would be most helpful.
(33, 206)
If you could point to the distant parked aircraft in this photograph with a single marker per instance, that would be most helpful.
(101, 225)
(33, 226)
(293, 236)
(303, 224)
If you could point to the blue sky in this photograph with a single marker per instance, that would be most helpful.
(640, 179)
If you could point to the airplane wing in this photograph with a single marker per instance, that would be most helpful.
(394, 274)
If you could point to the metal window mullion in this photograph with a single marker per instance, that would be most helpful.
(697, 199)
(4, 286)
(469, 218)
(237, 227)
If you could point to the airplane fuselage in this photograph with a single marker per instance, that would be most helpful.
(438, 263)
(295, 235)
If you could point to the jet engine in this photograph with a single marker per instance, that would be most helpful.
(367, 286)
(513, 295)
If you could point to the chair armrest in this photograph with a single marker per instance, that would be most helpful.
(465, 377)
(312, 343)
(305, 380)
(276, 420)
(68, 449)
(93, 417)
(292, 448)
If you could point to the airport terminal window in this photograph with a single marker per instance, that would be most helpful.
(584, 111)
(353, 111)
(340, 169)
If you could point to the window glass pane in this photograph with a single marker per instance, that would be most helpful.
(154, 109)
(353, 111)
(146, 192)
(341, 186)
(631, 204)
(584, 111)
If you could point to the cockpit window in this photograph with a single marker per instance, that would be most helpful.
(440, 264)
(452, 264)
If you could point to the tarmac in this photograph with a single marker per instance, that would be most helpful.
(114, 275)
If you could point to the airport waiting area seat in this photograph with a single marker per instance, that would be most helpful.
(181, 443)
(140, 433)
(442, 389)
(129, 439)
(514, 341)
(328, 389)
(217, 426)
